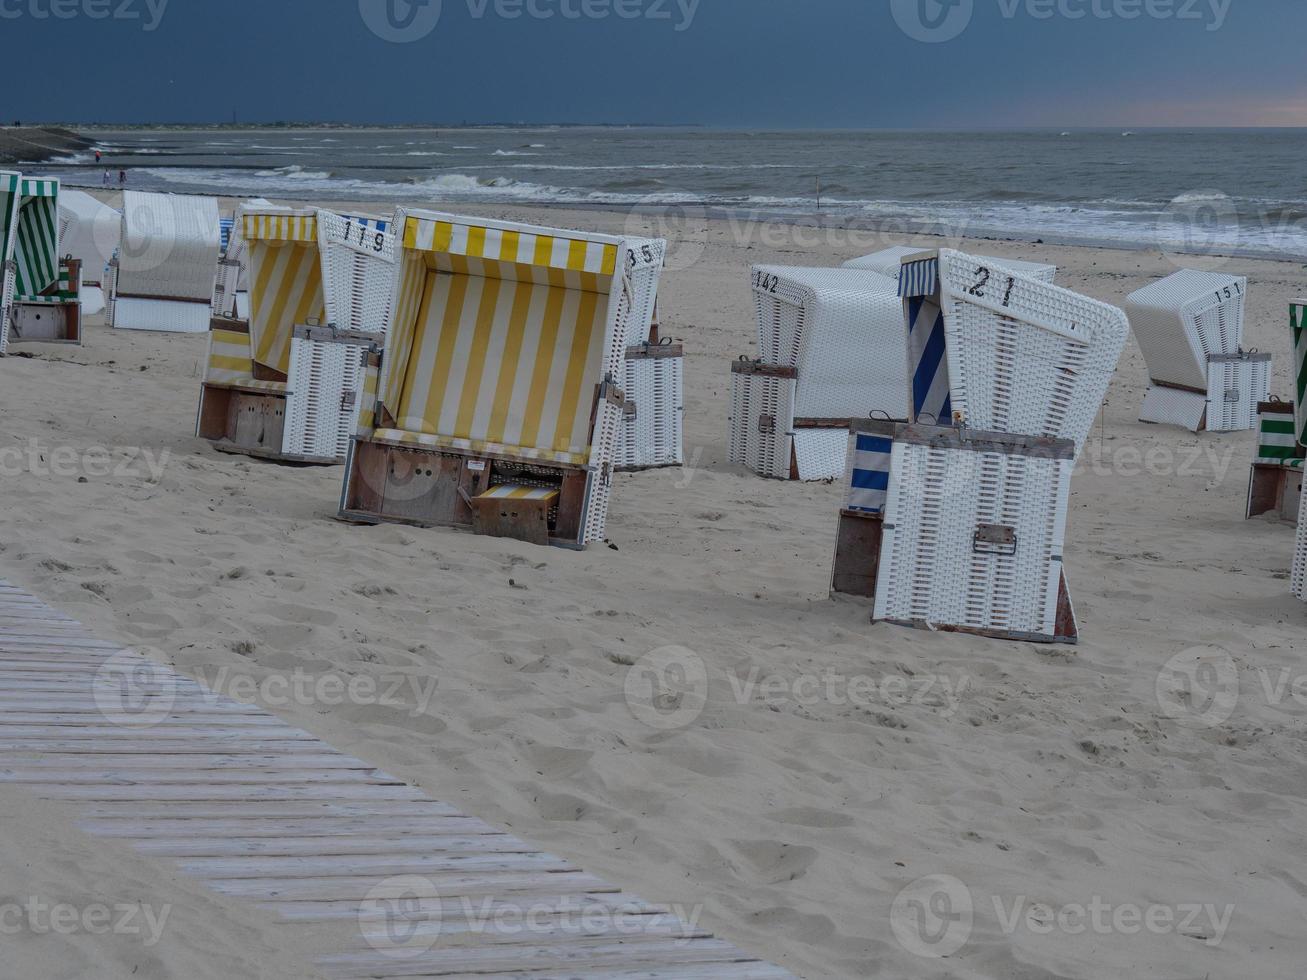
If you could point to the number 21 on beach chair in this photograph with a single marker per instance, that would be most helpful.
(956, 520)
(498, 394)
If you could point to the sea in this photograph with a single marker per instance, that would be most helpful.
(1241, 192)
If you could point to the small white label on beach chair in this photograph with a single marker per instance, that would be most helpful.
(476, 465)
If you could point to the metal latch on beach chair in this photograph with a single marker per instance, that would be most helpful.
(995, 539)
(1233, 396)
(348, 399)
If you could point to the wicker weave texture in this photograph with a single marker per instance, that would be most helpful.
(889, 262)
(654, 435)
(1185, 319)
(762, 416)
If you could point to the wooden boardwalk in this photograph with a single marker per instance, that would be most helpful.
(266, 813)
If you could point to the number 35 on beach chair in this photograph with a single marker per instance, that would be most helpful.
(498, 398)
(287, 384)
(956, 521)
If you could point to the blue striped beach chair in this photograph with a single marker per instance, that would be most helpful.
(956, 520)
(287, 383)
(504, 354)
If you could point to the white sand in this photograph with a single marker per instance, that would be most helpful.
(1055, 776)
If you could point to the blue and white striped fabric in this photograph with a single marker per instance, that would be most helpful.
(225, 225)
(927, 342)
(869, 473)
(919, 278)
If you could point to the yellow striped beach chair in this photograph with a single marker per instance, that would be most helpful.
(498, 395)
(286, 383)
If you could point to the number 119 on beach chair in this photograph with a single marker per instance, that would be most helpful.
(288, 384)
(499, 391)
(961, 526)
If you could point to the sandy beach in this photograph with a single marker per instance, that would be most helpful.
(835, 762)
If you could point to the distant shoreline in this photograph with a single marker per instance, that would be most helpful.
(38, 144)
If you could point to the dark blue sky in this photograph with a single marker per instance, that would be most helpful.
(751, 63)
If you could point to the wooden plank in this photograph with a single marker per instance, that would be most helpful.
(357, 887)
(143, 793)
(208, 718)
(304, 827)
(280, 731)
(144, 746)
(191, 763)
(354, 865)
(252, 782)
(748, 970)
(292, 847)
(335, 911)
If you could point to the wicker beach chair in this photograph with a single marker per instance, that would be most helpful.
(652, 433)
(230, 285)
(1190, 328)
(287, 383)
(46, 304)
(498, 392)
(889, 262)
(11, 184)
(956, 520)
(163, 277)
(830, 350)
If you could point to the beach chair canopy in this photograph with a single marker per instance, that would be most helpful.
(89, 231)
(500, 334)
(1185, 320)
(285, 274)
(358, 262)
(36, 248)
(889, 262)
(842, 329)
(170, 247)
(11, 197)
(999, 351)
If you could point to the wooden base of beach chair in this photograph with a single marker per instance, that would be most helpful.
(47, 323)
(249, 423)
(402, 484)
(1275, 489)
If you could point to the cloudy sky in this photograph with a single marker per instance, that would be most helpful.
(944, 64)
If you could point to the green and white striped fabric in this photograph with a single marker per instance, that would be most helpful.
(1277, 442)
(62, 292)
(1298, 329)
(37, 252)
(10, 198)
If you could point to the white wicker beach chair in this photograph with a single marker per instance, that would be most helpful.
(1190, 328)
(889, 262)
(90, 232)
(498, 398)
(652, 433)
(163, 278)
(960, 527)
(1298, 574)
(287, 384)
(230, 296)
(830, 349)
(47, 303)
(995, 350)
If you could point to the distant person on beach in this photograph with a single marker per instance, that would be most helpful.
(122, 178)
(97, 156)
(106, 177)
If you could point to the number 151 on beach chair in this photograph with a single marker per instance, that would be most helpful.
(498, 395)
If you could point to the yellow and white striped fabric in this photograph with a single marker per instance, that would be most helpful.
(368, 409)
(547, 258)
(513, 491)
(285, 282)
(503, 365)
(229, 358)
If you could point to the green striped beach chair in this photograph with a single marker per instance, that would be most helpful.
(1276, 483)
(46, 301)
